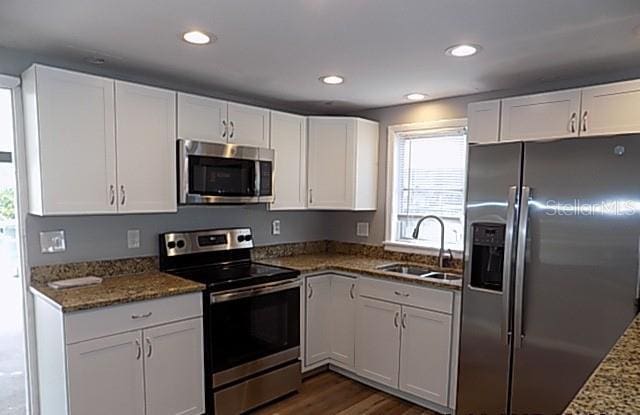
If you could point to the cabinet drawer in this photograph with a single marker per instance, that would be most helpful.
(422, 297)
(91, 324)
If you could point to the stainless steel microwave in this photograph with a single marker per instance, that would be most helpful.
(212, 173)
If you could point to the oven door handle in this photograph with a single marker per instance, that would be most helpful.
(256, 290)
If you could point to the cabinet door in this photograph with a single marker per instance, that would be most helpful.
(77, 165)
(425, 354)
(106, 376)
(484, 121)
(174, 368)
(248, 126)
(318, 342)
(331, 163)
(611, 109)
(542, 116)
(342, 324)
(378, 341)
(289, 141)
(202, 118)
(146, 148)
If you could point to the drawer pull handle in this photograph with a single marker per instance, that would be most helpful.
(401, 294)
(138, 316)
(351, 294)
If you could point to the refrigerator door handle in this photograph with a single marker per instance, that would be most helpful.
(521, 253)
(507, 263)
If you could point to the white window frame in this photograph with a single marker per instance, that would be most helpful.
(392, 136)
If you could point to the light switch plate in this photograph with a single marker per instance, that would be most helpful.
(362, 229)
(133, 238)
(52, 242)
(275, 227)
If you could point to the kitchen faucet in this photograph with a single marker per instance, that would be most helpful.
(416, 232)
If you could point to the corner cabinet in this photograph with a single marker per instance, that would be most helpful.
(132, 359)
(289, 141)
(97, 146)
(343, 163)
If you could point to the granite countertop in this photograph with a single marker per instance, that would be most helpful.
(117, 290)
(307, 263)
(614, 387)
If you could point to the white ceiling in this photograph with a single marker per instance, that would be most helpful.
(275, 50)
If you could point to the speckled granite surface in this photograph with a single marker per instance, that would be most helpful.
(356, 264)
(117, 290)
(614, 387)
(103, 268)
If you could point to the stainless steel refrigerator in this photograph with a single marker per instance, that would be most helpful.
(551, 269)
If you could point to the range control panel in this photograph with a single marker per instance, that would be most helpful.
(182, 243)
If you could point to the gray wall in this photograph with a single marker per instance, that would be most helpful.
(105, 237)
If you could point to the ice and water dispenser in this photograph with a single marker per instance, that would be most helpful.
(487, 256)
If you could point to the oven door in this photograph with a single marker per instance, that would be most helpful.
(224, 173)
(253, 329)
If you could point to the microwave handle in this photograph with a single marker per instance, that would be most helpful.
(258, 178)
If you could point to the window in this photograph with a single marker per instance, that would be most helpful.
(426, 177)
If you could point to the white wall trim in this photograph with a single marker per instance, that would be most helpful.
(8, 81)
(390, 207)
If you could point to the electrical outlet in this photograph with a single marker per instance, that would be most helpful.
(362, 229)
(275, 227)
(133, 238)
(52, 242)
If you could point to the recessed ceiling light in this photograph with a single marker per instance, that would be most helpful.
(462, 51)
(196, 37)
(332, 79)
(415, 96)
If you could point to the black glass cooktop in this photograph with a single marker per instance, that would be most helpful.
(225, 277)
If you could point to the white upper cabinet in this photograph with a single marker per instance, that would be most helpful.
(70, 142)
(425, 354)
(343, 163)
(146, 148)
(248, 126)
(611, 109)
(541, 116)
(202, 118)
(289, 141)
(484, 121)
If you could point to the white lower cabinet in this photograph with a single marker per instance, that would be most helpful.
(378, 341)
(130, 362)
(399, 336)
(106, 376)
(425, 354)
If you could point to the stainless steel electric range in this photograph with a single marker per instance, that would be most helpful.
(251, 317)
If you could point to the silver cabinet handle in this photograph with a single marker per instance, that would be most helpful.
(112, 195)
(572, 122)
(224, 131)
(310, 291)
(351, 294)
(123, 195)
(395, 319)
(523, 222)
(233, 129)
(149, 347)
(310, 195)
(139, 316)
(584, 121)
(139, 350)
(404, 320)
(401, 294)
(508, 259)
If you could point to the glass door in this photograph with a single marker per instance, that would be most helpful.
(12, 343)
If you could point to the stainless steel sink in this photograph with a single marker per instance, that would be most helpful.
(418, 271)
(405, 269)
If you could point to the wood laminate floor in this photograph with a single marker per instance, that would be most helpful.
(329, 393)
